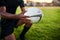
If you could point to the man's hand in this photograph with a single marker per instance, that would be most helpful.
(22, 16)
(23, 21)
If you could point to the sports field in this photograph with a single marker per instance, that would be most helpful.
(47, 29)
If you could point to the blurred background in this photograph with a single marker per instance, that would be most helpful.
(49, 26)
(42, 2)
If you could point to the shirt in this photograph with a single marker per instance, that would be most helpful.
(11, 5)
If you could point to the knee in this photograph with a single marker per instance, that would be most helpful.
(28, 24)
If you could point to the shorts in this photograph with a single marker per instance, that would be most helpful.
(7, 27)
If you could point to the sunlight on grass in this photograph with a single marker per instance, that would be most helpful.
(47, 29)
(18, 10)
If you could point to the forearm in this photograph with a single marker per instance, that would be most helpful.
(9, 16)
(6, 15)
(23, 10)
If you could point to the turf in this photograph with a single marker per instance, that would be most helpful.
(47, 29)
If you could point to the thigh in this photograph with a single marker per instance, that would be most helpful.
(6, 28)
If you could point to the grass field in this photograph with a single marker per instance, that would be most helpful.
(47, 29)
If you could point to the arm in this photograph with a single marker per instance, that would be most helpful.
(6, 15)
(9, 16)
(22, 6)
(23, 10)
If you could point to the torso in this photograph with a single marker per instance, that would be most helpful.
(11, 6)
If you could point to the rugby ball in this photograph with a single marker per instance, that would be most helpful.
(34, 13)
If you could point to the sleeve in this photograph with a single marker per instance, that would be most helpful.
(21, 3)
(2, 3)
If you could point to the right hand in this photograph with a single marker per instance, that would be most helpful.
(22, 16)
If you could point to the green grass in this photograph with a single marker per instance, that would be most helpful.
(47, 29)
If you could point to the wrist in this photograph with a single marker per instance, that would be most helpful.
(17, 16)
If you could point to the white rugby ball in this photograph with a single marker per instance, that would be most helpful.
(34, 13)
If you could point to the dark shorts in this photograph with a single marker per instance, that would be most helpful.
(7, 27)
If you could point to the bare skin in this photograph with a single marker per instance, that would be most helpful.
(6, 15)
(10, 37)
(21, 17)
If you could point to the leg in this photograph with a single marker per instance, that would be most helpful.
(10, 37)
(27, 26)
(7, 33)
(7, 29)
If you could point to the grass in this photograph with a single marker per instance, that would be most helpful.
(47, 29)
